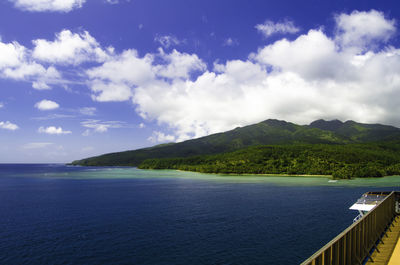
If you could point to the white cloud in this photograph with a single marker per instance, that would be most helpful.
(53, 130)
(1, 105)
(269, 27)
(359, 29)
(142, 125)
(15, 63)
(108, 91)
(40, 85)
(88, 111)
(116, 79)
(160, 137)
(168, 40)
(345, 75)
(178, 65)
(47, 105)
(11, 54)
(212, 103)
(302, 80)
(8, 126)
(313, 55)
(36, 145)
(70, 48)
(113, 81)
(127, 67)
(48, 5)
(230, 42)
(98, 126)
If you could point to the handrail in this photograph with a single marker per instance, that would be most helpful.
(353, 245)
(358, 217)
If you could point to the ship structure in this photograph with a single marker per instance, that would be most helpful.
(373, 238)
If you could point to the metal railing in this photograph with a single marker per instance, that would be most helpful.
(354, 244)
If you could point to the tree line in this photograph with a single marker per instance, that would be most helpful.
(340, 161)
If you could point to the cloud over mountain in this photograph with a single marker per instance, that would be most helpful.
(312, 76)
(350, 74)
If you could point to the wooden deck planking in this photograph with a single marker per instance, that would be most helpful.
(389, 251)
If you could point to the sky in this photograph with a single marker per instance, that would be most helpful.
(80, 78)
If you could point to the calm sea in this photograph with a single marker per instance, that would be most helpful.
(55, 214)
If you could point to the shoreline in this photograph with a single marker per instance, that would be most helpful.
(253, 175)
(329, 177)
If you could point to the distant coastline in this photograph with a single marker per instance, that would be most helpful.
(342, 150)
(258, 175)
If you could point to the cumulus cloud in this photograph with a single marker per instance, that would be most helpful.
(269, 27)
(178, 65)
(12, 54)
(160, 137)
(53, 130)
(113, 81)
(48, 5)
(46, 105)
(109, 91)
(362, 29)
(312, 55)
(16, 63)
(211, 103)
(8, 126)
(168, 40)
(301, 80)
(70, 48)
(117, 78)
(352, 74)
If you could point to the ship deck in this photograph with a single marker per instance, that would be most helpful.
(374, 238)
(388, 250)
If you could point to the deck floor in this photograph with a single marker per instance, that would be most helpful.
(389, 251)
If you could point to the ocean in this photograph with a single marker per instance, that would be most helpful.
(57, 214)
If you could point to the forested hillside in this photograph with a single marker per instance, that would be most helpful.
(340, 161)
(269, 132)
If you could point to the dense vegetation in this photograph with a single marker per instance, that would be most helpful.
(341, 149)
(340, 161)
(269, 132)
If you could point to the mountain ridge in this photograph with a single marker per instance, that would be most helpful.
(268, 132)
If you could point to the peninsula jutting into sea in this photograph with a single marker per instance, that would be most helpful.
(341, 149)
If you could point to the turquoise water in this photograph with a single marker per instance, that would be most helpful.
(134, 173)
(55, 214)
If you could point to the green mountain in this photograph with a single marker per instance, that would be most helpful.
(269, 132)
(340, 161)
(358, 132)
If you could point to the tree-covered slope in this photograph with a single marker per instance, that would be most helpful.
(341, 161)
(358, 132)
(269, 132)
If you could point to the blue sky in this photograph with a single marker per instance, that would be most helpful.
(84, 77)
